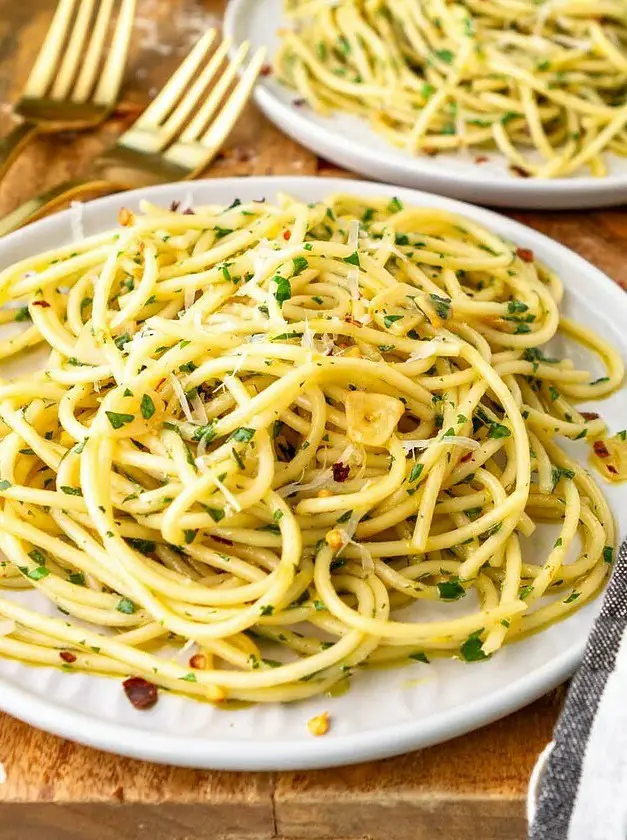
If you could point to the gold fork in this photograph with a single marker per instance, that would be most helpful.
(175, 138)
(70, 86)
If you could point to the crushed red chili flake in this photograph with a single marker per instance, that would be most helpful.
(188, 212)
(465, 457)
(481, 159)
(198, 661)
(298, 103)
(266, 70)
(611, 468)
(600, 449)
(429, 150)
(525, 254)
(66, 656)
(287, 234)
(349, 320)
(221, 540)
(141, 693)
(340, 471)
(590, 415)
(518, 170)
(174, 206)
(43, 303)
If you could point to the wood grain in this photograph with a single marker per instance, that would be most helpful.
(472, 788)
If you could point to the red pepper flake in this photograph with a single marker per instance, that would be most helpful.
(266, 70)
(612, 469)
(68, 657)
(221, 540)
(465, 458)
(287, 234)
(349, 320)
(600, 449)
(175, 206)
(340, 471)
(298, 103)
(198, 661)
(481, 159)
(590, 415)
(518, 170)
(188, 212)
(525, 254)
(429, 150)
(141, 693)
(43, 303)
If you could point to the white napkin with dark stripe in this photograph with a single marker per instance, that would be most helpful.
(583, 788)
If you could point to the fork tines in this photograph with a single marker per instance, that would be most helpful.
(203, 89)
(84, 53)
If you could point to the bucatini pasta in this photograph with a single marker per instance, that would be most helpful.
(520, 76)
(261, 430)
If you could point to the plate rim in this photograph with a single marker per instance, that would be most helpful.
(273, 754)
(543, 193)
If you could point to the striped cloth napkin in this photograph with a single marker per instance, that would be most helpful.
(583, 786)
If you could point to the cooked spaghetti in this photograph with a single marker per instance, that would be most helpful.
(518, 76)
(264, 430)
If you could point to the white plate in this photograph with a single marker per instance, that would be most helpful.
(386, 712)
(350, 142)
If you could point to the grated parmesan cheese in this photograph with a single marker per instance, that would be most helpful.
(324, 479)
(199, 410)
(353, 233)
(180, 395)
(229, 497)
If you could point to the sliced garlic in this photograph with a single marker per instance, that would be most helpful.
(372, 418)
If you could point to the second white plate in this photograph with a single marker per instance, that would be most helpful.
(350, 142)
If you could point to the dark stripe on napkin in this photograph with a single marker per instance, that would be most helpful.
(560, 780)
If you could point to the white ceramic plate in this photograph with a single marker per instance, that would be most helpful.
(350, 142)
(386, 712)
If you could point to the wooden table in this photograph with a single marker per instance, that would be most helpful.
(472, 788)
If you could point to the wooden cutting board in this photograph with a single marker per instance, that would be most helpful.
(472, 788)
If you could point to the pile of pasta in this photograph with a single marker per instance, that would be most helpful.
(267, 435)
(542, 81)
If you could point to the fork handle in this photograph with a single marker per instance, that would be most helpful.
(51, 199)
(14, 142)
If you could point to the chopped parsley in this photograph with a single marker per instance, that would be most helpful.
(472, 649)
(451, 590)
(441, 305)
(243, 435)
(126, 606)
(416, 472)
(283, 289)
(300, 264)
(147, 407)
(118, 420)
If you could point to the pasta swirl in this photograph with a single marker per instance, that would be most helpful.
(264, 434)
